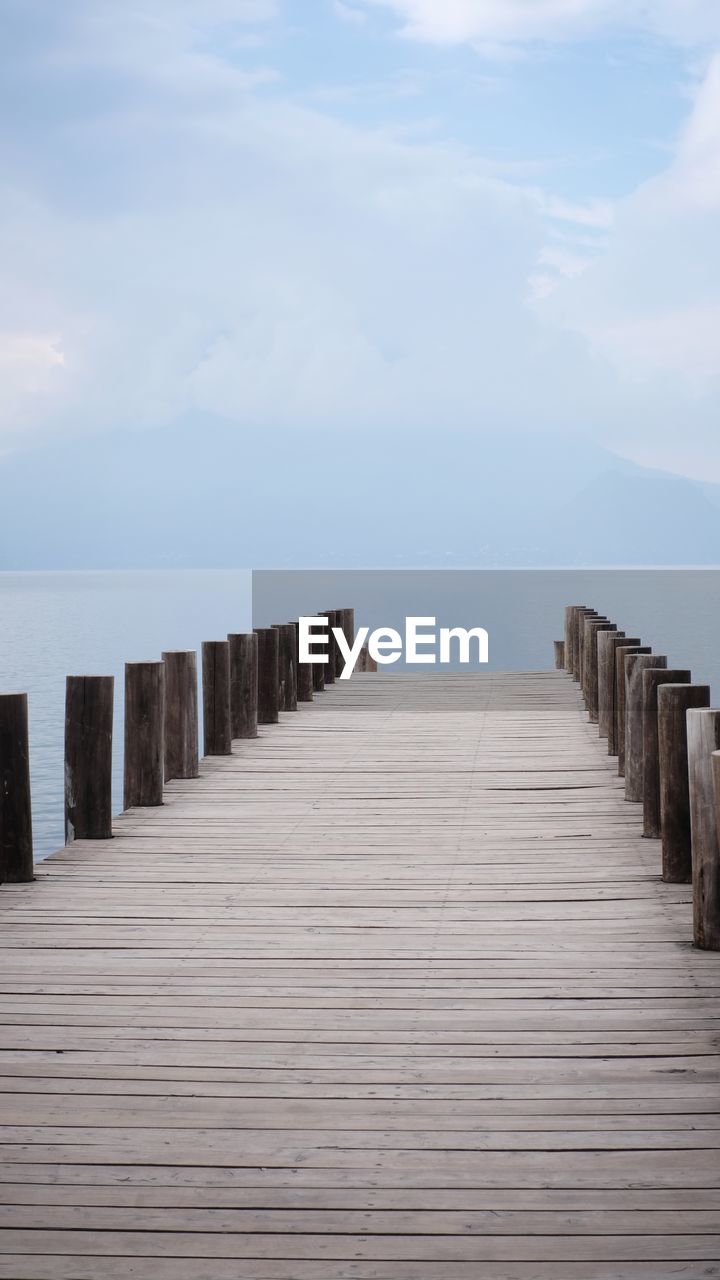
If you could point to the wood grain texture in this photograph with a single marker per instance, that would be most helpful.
(394, 990)
(144, 730)
(88, 757)
(16, 843)
(181, 714)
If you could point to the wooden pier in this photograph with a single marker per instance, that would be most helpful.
(392, 992)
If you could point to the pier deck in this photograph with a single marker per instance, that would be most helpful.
(393, 992)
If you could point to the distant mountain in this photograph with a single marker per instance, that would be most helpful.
(204, 494)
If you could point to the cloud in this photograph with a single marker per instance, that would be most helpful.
(502, 23)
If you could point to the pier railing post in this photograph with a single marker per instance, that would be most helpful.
(304, 671)
(144, 757)
(635, 664)
(217, 737)
(88, 757)
(608, 643)
(616, 740)
(287, 686)
(319, 671)
(591, 666)
(329, 666)
(570, 612)
(268, 675)
(580, 614)
(181, 714)
(674, 702)
(703, 731)
(559, 647)
(651, 680)
(590, 623)
(243, 684)
(16, 847)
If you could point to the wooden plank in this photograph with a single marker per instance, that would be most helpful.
(394, 990)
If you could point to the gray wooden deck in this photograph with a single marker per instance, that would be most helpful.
(393, 992)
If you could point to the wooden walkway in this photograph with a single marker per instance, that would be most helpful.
(392, 993)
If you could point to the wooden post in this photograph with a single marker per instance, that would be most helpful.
(347, 622)
(579, 615)
(339, 662)
(635, 664)
(319, 671)
(268, 674)
(287, 686)
(674, 702)
(591, 684)
(616, 740)
(181, 714)
(607, 642)
(703, 730)
(714, 934)
(16, 846)
(590, 623)
(329, 666)
(144, 760)
(217, 736)
(559, 647)
(304, 671)
(243, 684)
(88, 757)
(651, 748)
(570, 612)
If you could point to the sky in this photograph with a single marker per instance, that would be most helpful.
(401, 215)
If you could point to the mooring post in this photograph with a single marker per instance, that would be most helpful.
(608, 642)
(319, 670)
(329, 666)
(703, 730)
(591, 684)
(304, 671)
(144, 757)
(16, 846)
(217, 736)
(268, 675)
(347, 622)
(287, 687)
(590, 623)
(616, 740)
(181, 714)
(335, 646)
(635, 664)
(579, 615)
(243, 684)
(88, 757)
(570, 613)
(559, 647)
(674, 702)
(651, 679)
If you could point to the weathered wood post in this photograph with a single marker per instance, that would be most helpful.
(616, 740)
(144, 759)
(635, 664)
(217, 736)
(570, 615)
(347, 622)
(559, 647)
(651, 679)
(268, 674)
(287, 687)
(88, 757)
(703, 730)
(16, 846)
(243, 684)
(591, 686)
(329, 666)
(579, 615)
(304, 671)
(674, 702)
(319, 670)
(336, 647)
(714, 934)
(590, 623)
(608, 642)
(181, 714)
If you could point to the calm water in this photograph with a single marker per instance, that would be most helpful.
(55, 624)
(58, 624)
